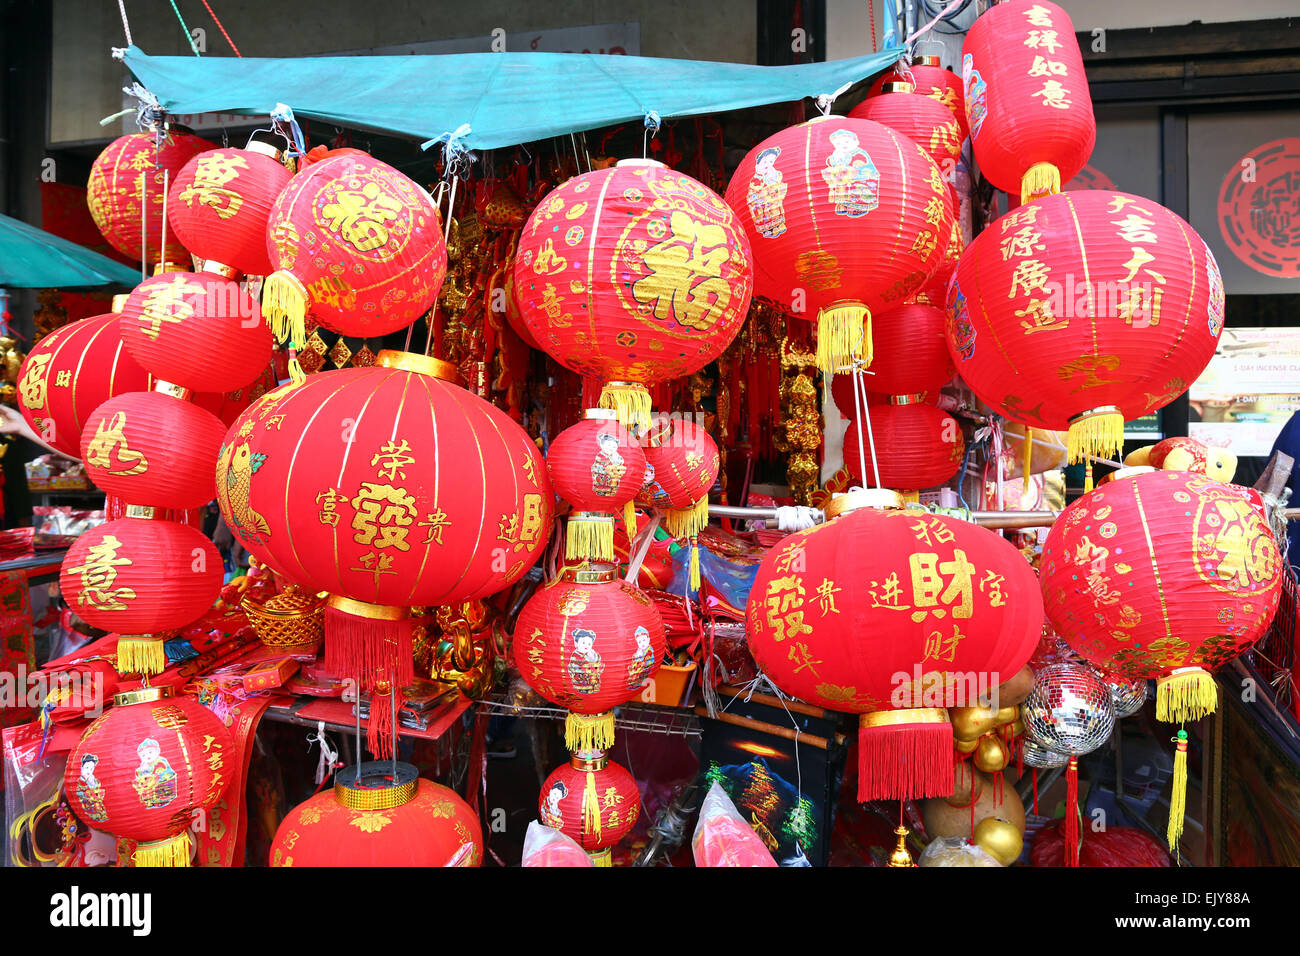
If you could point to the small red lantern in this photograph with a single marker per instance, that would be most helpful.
(149, 769)
(922, 119)
(70, 373)
(911, 357)
(130, 175)
(588, 641)
(153, 449)
(930, 79)
(201, 331)
(893, 614)
(356, 245)
(635, 274)
(846, 219)
(684, 462)
(593, 800)
(220, 203)
(1027, 101)
(598, 468)
(917, 446)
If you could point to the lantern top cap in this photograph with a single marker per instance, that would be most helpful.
(639, 162)
(219, 268)
(588, 761)
(143, 695)
(376, 785)
(264, 149)
(163, 268)
(597, 572)
(420, 364)
(119, 301)
(600, 414)
(898, 86)
(858, 498)
(1131, 471)
(928, 59)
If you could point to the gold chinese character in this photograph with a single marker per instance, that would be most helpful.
(1038, 16)
(783, 601)
(826, 592)
(375, 565)
(992, 586)
(1045, 67)
(934, 210)
(685, 281)
(940, 648)
(1037, 317)
(802, 658)
(63, 379)
(32, 385)
(924, 243)
(165, 302)
(928, 585)
(1055, 95)
(395, 459)
(99, 574)
(611, 798)
(1135, 228)
(1030, 276)
(210, 187)
(886, 595)
(383, 516)
(1026, 241)
(110, 437)
(1044, 40)
(359, 216)
(435, 522)
(329, 502)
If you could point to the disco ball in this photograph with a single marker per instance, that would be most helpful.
(1127, 696)
(1069, 710)
(1036, 755)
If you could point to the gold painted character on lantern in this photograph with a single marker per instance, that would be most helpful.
(109, 443)
(99, 575)
(211, 184)
(642, 662)
(90, 792)
(155, 780)
(685, 281)
(930, 589)
(585, 666)
(608, 467)
(361, 217)
(852, 180)
(383, 516)
(766, 195)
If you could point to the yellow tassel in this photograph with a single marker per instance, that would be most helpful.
(173, 851)
(688, 522)
(1040, 179)
(1178, 796)
(843, 336)
(1087, 478)
(630, 402)
(297, 374)
(284, 303)
(589, 536)
(629, 518)
(591, 808)
(603, 857)
(589, 731)
(1189, 693)
(141, 655)
(695, 566)
(1029, 455)
(1097, 433)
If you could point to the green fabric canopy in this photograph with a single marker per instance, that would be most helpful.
(32, 258)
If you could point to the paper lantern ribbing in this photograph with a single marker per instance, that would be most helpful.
(837, 612)
(917, 446)
(356, 245)
(117, 202)
(911, 357)
(408, 822)
(199, 330)
(71, 372)
(588, 641)
(147, 768)
(634, 275)
(1082, 311)
(930, 79)
(593, 800)
(220, 203)
(598, 468)
(846, 218)
(1027, 101)
(922, 119)
(153, 449)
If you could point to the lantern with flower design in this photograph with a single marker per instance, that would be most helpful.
(598, 468)
(593, 800)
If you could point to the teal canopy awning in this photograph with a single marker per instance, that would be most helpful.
(32, 258)
(503, 98)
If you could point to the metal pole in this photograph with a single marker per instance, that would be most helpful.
(987, 519)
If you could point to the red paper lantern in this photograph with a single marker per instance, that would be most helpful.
(598, 468)
(1166, 575)
(588, 641)
(929, 79)
(356, 245)
(683, 460)
(1084, 310)
(149, 769)
(70, 373)
(917, 446)
(592, 800)
(201, 331)
(911, 356)
(117, 200)
(413, 822)
(846, 219)
(635, 275)
(153, 449)
(1027, 102)
(514, 314)
(922, 119)
(893, 614)
(220, 203)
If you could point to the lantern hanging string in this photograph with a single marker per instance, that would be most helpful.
(910, 42)
(651, 124)
(126, 26)
(144, 232)
(283, 123)
(221, 27)
(864, 413)
(185, 28)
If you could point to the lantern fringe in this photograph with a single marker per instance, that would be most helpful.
(380, 729)
(1178, 795)
(603, 857)
(1097, 434)
(630, 402)
(1070, 827)
(589, 731)
(843, 336)
(297, 374)
(589, 536)
(1039, 180)
(284, 303)
(695, 566)
(688, 522)
(173, 851)
(370, 647)
(141, 655)
(1029, 457)
(591, 807)
(1186, 694)
(629, 519)
(898, 761)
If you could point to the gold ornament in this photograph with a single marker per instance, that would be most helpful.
(800, 431)
(991, 754)
(999, 839)
(1005, 715)
(966, 746)
(970, 723)
(901, 856)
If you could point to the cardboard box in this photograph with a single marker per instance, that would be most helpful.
(269, 674)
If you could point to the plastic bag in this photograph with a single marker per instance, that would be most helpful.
(723, 838)
(546, 846)
(955, 851)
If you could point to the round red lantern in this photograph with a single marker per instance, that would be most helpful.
(148, 769)
(911, 356)
(220, 203)
(514, 315)
(1027, 102)
(634, 275)
(929, 79)
(592, 800)
(356, 245)
(380, 820)
(1082, 311)
(201, 331)
(846, 219)
(598, 468)
(71, 372)
(683, 462)
(893, 614)
(917, 446)
(153, 449)
(129, 176)
(922, 119)
(588, 641)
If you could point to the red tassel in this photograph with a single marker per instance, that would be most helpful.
(380, 729)
(368, 647)
(896, 761)
(1072, 813)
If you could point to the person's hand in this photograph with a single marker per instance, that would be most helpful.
(12, 422)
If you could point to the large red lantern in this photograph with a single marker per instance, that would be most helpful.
(70, 373)
(893, 614)
(931, 79)
(916, 446)
(356, 245)
(201, 331)
(128, 178)
(148, 770)
(911, 357)
(635, 274)
(153, 449)
(593, 800)
(1082, 311)
(220, 203)
(922, 119)
(846, 219)
(1027, 101)
(588, 641)
(598, 468)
